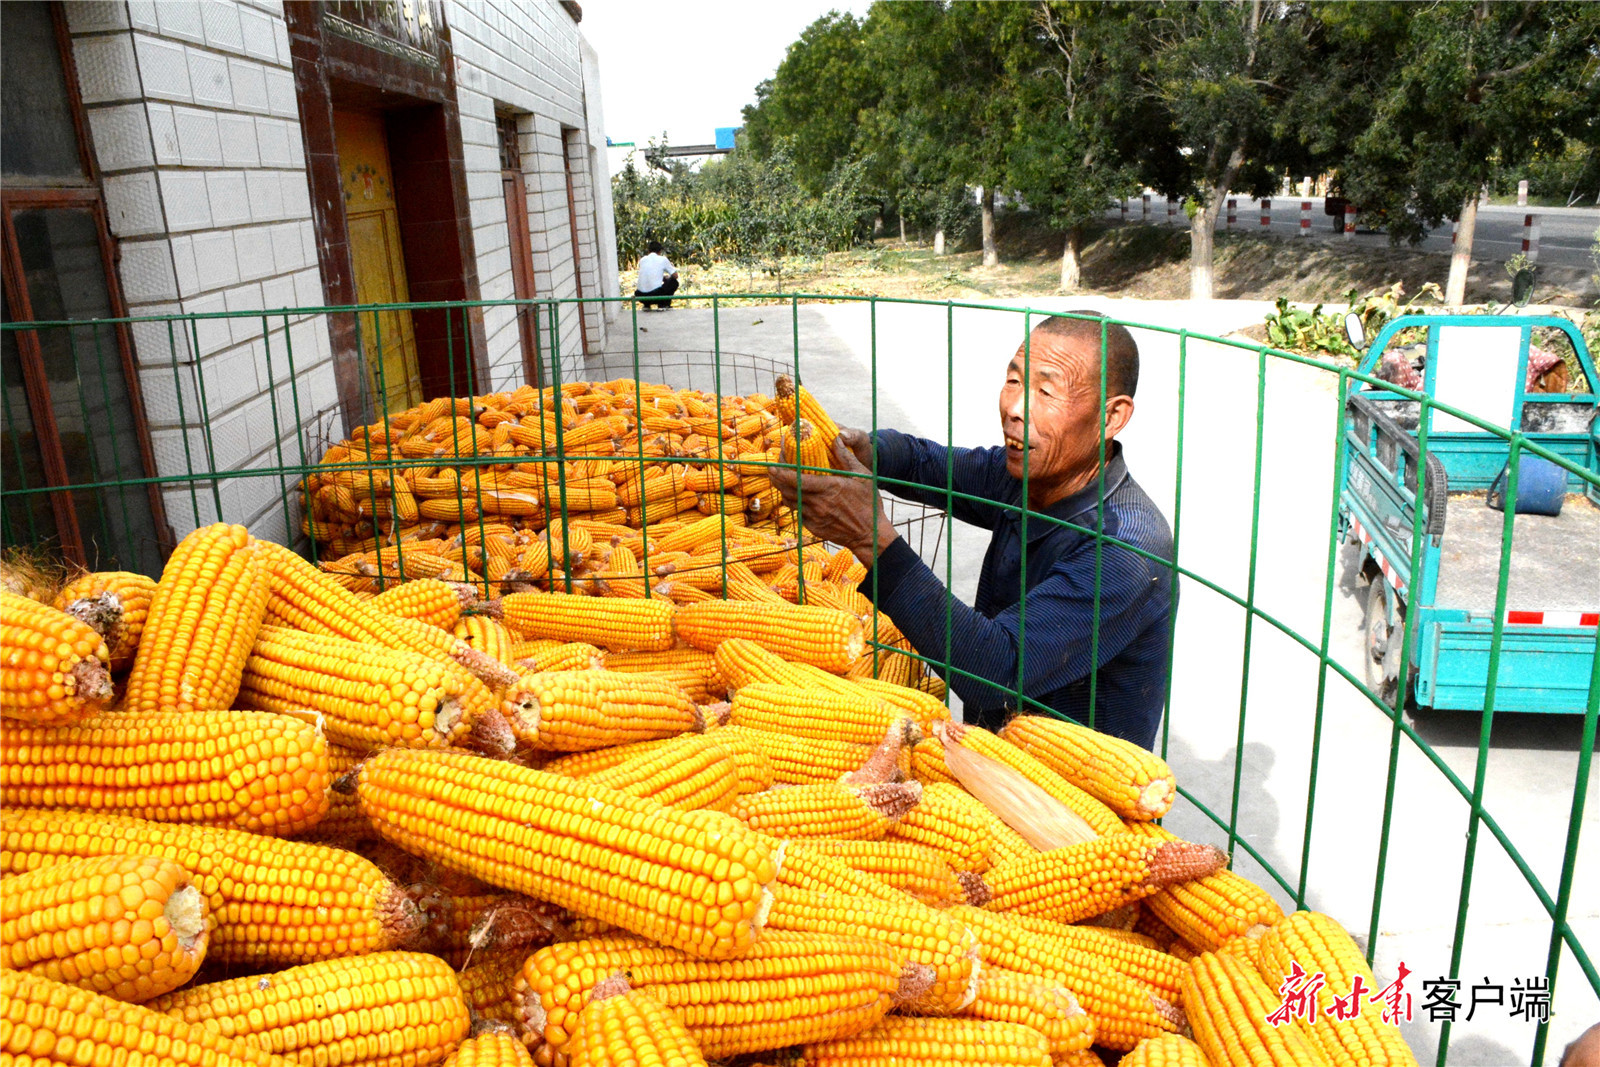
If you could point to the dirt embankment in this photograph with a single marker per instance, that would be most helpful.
(1133, 261)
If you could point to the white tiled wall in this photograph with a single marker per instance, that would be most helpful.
(524, 58)
(192, 115)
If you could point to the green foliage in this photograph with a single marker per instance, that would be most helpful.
(752, 212)
(1477, 87)
(1297, 330)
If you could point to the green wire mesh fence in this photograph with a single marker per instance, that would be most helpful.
(1448, 842)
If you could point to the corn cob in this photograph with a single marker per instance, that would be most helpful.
(46, 1022)
(113, 603)
(922, 707)
(686, 773)
(491, 1045)
(487, 636)
(823, 637)
(594, 850)
(1079, 881)
(272, 901)
(570, 711)
(388, 1008)
(1101, 819)
(1318, 944)
(919, 871)
(754, 772)
(952, 823)
(1209, 912)
(928, 765)
(369, 696)
(463, 919)
(1124, 1011)
(908, 1041)
(1168, 1050)
(204, 616)
(131, 927)
(802, 443)
(788, 988)
(424, 599)
(817, 713)
(626, 1027)
(1153, 969)
(52, 667)
(619, 625)
(488, 982)
(248, 770)
(674, 659)
(917, 933)
(343, 825)
(1014, 997)
(802, 760)
(795, 402)
(827, 809)
(1132, 782)
(562, 656)
(1228, 1005)
(744, 662)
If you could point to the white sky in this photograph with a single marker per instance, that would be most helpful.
(688, 66)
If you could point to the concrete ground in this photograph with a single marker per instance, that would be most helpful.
(1235, 717)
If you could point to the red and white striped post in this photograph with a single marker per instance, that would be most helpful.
(1172, 210)
(1266, 213)
(1124, 206)
(1349, 220)
(1454, 226)
(1233, 211)
(1305, 218)
(1530, 237)
(1144, 209)
(1522, 193)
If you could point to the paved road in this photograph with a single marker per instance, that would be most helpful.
(948, 392)
(1566, 234)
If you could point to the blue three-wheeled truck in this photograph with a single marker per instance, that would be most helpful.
(1435, 554)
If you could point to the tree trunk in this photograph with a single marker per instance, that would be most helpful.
(991, 252)
(1071, 268)
(877, 224)
(902, 229)
(1455, 290)
(1202, 245)
(938, 241)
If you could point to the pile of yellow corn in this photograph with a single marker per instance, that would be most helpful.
(249, 815)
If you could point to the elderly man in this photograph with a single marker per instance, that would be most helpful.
(1057, 630)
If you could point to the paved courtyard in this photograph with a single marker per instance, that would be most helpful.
(1236, 718)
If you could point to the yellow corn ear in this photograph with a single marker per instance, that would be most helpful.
(1168, 1050)
(1134, 783)
(52, 666)
(909, 1041)
(619, 625)
(273, 901)
(47, 1022)
(119, 599)
(625, 1027)
(823, 637)
(255, 771)
(490, 1047)
(205, 614)
(1227, 1004)
(570, 711)
(1080, 881)
(385, 1008)
(131, 927)
(1320, 945)
(1014, 997)
(693, 882)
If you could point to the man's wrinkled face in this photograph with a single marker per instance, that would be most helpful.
(1062, 438)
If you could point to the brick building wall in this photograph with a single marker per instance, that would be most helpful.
(192, 119)
(192, 115)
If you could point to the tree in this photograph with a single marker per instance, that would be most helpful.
(813, 104)
(947, 100)
(1480, 86)
(1220, 72)
(1073, 84)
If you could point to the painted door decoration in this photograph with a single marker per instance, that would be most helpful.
(387, 338)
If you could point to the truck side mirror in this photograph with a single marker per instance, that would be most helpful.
(1355, 331)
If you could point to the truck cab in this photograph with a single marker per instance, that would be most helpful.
(1419, 481)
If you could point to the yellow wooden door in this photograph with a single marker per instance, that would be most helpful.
(376, 259)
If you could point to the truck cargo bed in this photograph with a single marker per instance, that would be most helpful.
(1555, 560)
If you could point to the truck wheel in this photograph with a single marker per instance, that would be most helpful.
(1381, 642)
